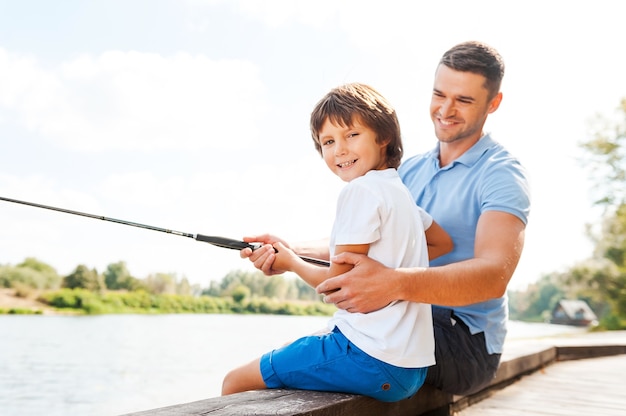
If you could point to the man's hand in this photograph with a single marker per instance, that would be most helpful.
(364, 289)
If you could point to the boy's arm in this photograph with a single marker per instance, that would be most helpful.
(318, 249)
(438, 241)
(287, 260)
(263, 258)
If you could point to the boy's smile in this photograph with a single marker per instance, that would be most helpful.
(346, 164)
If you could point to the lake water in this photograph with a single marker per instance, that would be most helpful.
(115, 364)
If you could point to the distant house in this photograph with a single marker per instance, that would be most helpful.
(573, 312)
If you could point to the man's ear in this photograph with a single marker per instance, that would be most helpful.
(495, 103)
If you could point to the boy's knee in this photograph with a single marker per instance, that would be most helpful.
(228, 384)
(245, 378)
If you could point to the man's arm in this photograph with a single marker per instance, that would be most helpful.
(370, 285)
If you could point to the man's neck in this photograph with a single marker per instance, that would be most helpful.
(449, 152)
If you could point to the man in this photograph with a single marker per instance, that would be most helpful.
(479, 194)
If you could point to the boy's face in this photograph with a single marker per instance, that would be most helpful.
(351, 151)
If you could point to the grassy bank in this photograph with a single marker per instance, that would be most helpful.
(81, 301)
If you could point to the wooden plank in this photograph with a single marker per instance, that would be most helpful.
(591, 351)
(298, 402)
(588, 387)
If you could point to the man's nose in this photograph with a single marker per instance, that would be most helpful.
(447, 108)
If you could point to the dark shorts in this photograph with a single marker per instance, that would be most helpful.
(463, 364)
(330, 362)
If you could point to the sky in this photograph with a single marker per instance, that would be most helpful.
(192, 115)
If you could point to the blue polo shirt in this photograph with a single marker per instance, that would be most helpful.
(485, 178)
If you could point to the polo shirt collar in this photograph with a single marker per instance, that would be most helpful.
(471, 156)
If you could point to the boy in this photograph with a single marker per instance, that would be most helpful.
(383, 354)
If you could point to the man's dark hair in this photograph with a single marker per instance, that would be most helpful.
(477, 58)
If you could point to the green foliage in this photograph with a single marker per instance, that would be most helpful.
(85, 291)
(240, 293)
(538, 300)
(184, 287)
(612, 323)
(161, 283)
(274, 287)
(601, 280)
(89, 302)
(31, 273)
(84, 278)
(64, 298)
(304, 291)
(117, 277)
(611, 241)
(19, 311)
(606, 157)
(41, 267)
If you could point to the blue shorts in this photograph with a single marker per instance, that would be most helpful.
(330, 362)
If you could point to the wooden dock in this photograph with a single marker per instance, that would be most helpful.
(593, 386)
(580, 374)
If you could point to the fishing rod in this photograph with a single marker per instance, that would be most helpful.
(211, 239)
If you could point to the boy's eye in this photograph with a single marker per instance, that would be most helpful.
(327, 142)
(353, 134)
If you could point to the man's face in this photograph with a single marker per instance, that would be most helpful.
(459, 106)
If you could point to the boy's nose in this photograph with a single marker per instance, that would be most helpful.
(340, 148)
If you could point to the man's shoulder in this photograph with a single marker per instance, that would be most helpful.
(496, 150)
(413, 161)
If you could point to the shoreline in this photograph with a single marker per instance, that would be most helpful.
(10, 301)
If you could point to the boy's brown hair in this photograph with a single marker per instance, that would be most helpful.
(342, 104)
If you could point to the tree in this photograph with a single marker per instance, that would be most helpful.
(305, 292)
(606, 159)
(117, 277)
(31, 273)
(184, 287)
(538, 300)
(240, 293)
(50, 279)
(161, 283)
(84, 278)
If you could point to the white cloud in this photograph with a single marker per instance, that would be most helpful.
(136, 101)
(276, 13)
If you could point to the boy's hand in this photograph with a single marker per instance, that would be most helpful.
(284, 257)
(263, 257)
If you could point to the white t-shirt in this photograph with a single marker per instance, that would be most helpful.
(378, 209)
